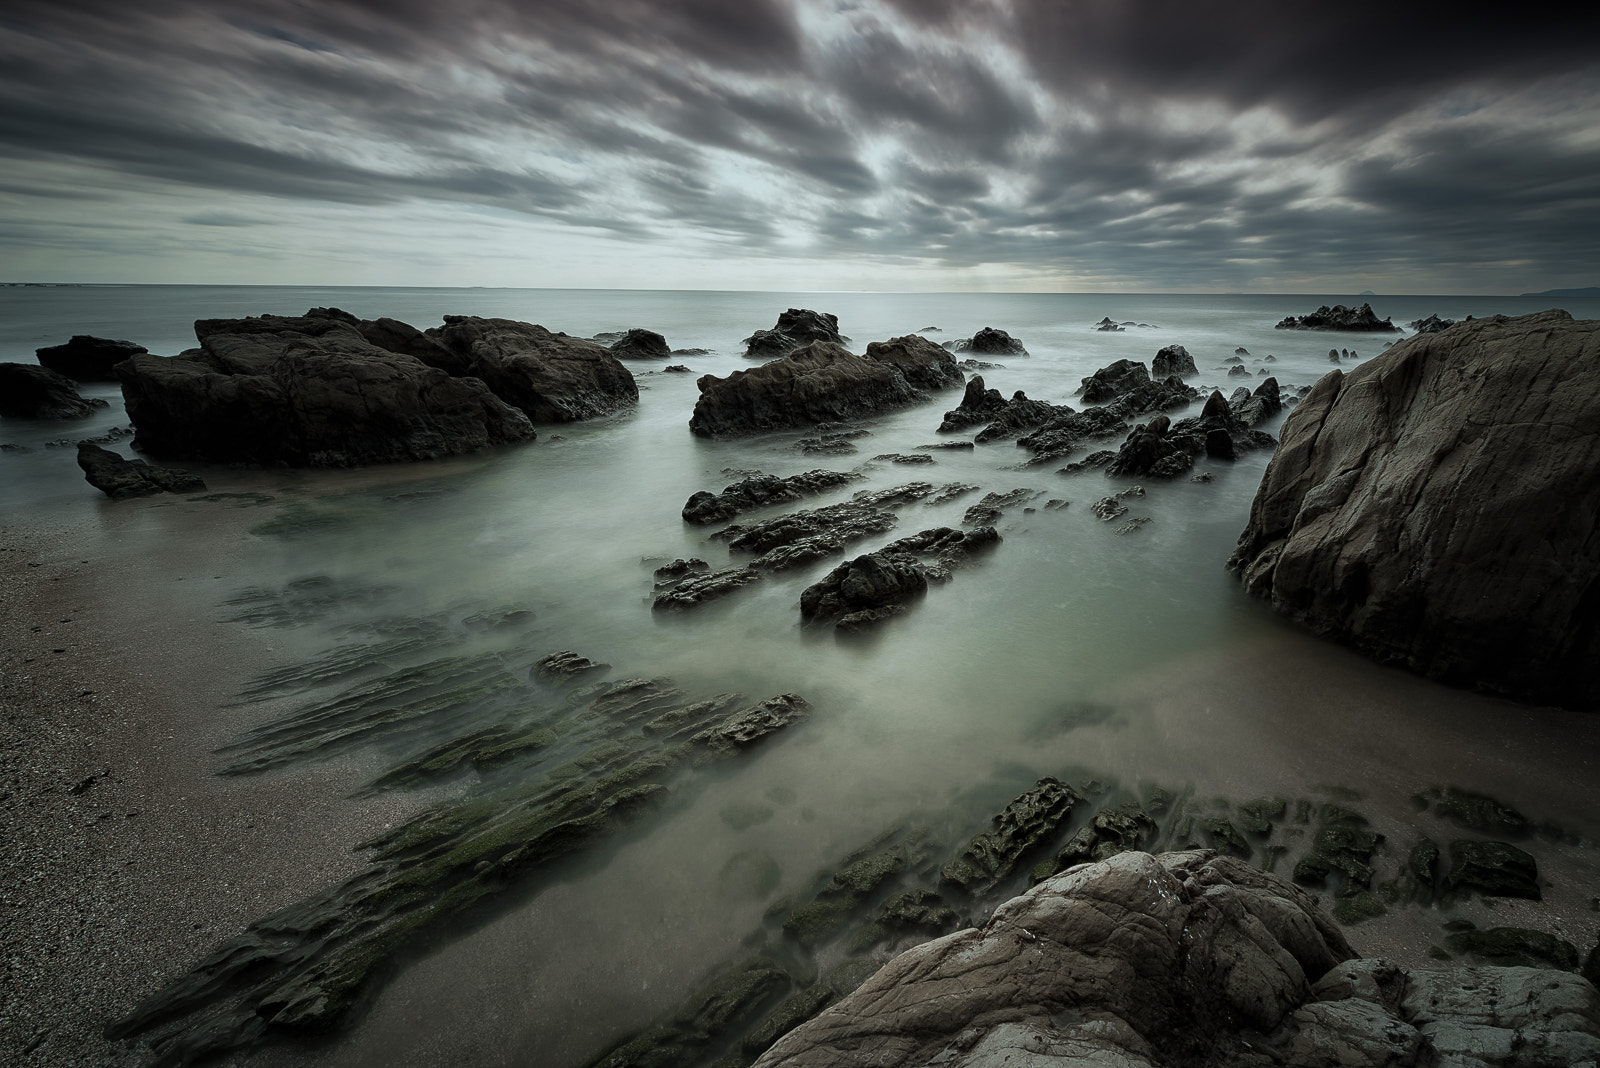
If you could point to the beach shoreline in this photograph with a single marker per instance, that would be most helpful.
(125, 859)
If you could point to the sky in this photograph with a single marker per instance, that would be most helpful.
(947, 145)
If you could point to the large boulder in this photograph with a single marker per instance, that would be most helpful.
(1113, 380)
(551, 377)
(1339, 317)
(1173, 360)
(795, 328)
(306, 391)
(640, 344)
(823, 383)
(31, 392)
(1439, 508)
(989, 341)
(86, 358)
(1185, 960)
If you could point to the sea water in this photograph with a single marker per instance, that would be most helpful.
(955, 708)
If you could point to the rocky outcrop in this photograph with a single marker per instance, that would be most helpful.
(823, 383)
(989, 341)
(551, 378)
(30, 392)
(639, 344)
(758, 491)
(861, 593)
(1437, 508)
(1113, 380)
(1184, 960)
(795, 328)
(307, 391)
(1173, 360)
(1431, 325)
(392, 335)
(1164, 449)
(86, 358)
(1338, 317)
(121, 479)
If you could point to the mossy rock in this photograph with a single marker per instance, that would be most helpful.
(1225, 837)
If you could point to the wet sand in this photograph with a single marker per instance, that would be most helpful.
(124, 859)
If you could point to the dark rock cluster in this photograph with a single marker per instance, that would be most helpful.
(795, 328)
(989, 342)
(1339, 317)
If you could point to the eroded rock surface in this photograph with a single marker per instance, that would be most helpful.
(1173, 360)
(550, 377)
(795, 328)
(640, 344)
(1437, 508)
(989, 342)
(757, 491)
(1339, 317)
(823, 382)
(122, 479)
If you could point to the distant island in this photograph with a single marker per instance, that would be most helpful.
(1587, 291)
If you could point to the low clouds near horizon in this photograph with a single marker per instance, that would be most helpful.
(896, 144)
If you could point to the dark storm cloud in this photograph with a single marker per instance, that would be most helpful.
(1159, 143)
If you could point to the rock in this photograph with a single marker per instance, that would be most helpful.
(30, 392)
(1238, 372)
(905, 458)
(1173, 360)
(988, 510)
(1435, 508)
(1241, 351)
(639, 344)
(392, 335)
(87, 359)
(730, 999)
(1105, 325)
(795, 328)
(758, 491)
(1263, 404)
(1496, 869)
(1062, 435)
(121, 479)
(822, 383)
(1113, 380)
(1514, 947)
(566, 665)
(978, 405)
(671, 574)
(1135, 960)
(307, 391)
(550, 377)
(676, 369)
(1431, 325)
(799, 538)
(1005, 418)
(1339, 317)
(865, 590)
(1026, 823)
(989, 342)
(1089, 463)
(692, 592)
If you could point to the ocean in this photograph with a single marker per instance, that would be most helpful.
(1126, 661)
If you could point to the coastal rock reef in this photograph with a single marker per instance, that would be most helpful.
(1339, 317)
(1438, 508)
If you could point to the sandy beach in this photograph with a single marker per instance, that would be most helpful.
(124, 858)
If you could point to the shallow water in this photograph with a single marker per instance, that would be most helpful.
(952, 710)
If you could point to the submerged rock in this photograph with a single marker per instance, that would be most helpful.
(86, 358)
(696, 590)
(1339, 317)
(1436, 508)
(822, 383)
(795, 328)
(121, 479)
(307, 391)
(31, 392)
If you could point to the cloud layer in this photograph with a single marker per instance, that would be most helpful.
(1100, 144)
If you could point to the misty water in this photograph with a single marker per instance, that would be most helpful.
(1070, 651)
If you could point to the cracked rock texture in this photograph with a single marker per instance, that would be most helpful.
(1186, 960)
(1439, 508)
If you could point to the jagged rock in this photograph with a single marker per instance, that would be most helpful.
(950, 491)
(798, 538)
(866, 590)
(821, 383)
(1004, 418)
(86, 358)
(694, 591)
(1436, 508)
(795, 328)
(1026, 823)
(1089, 463)
(1238, 372)
(978, 405)
(1105, 325)
(30, 392)
(1339, 317)
(759, 491)
(729, 1000)
(676, 369)
(989, 342)
(550, 377)
(307, 391)
(1163, 449)
(1431, 325)
(905, 458)
(1241, 351)
(1173, 360)
(988, 510)
(671, 574)
(392, 335)
(1113, 380)
(638, 344)
(1260, 406)
(121, 479)
(1062, 435)
(566, 665)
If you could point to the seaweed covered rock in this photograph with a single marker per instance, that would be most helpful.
(795, 328)
(1339, 317)
(1027, 823)
(86, 358)
(758, 491)
(823, 382)
(121, 479)
(306, 391)
(1437, 508)
(31, 392)
(551, 378)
